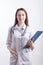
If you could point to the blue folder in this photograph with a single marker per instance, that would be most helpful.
(35, 37)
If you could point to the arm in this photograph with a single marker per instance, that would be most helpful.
(9, 42)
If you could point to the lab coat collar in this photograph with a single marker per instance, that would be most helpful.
(22, 27)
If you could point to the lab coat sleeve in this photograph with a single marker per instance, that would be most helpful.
(29, 36)
(9, 38)
(30, 33)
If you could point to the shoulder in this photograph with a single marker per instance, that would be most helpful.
(10, 29)
(28, 29)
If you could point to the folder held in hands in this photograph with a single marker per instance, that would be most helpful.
(35, 37)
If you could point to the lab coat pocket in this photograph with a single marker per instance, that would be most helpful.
(13, 58)
(25, 56)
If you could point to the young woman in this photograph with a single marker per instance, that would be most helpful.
(19, 36)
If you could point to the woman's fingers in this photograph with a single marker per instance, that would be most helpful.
(30, 43)
(13, 52)
(32, 46)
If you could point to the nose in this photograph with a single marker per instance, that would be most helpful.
(20, 17)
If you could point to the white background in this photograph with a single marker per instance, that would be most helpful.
(34, 9)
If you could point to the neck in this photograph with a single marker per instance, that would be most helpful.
(21, 25)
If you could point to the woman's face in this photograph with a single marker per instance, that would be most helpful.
(21, 16)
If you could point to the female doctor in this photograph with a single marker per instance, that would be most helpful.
(19, 36)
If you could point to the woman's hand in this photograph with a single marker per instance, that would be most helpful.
(13, 52)
(30, 43)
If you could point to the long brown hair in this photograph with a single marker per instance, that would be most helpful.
(26, 20)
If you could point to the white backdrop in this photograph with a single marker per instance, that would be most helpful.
(35, 13)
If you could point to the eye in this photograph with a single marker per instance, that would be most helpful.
(22, 14)
(19, 15)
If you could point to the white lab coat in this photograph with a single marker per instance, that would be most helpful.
(17, 42)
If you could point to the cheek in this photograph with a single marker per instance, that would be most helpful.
(24, 18)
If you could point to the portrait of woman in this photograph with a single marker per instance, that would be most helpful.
(19, 35)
